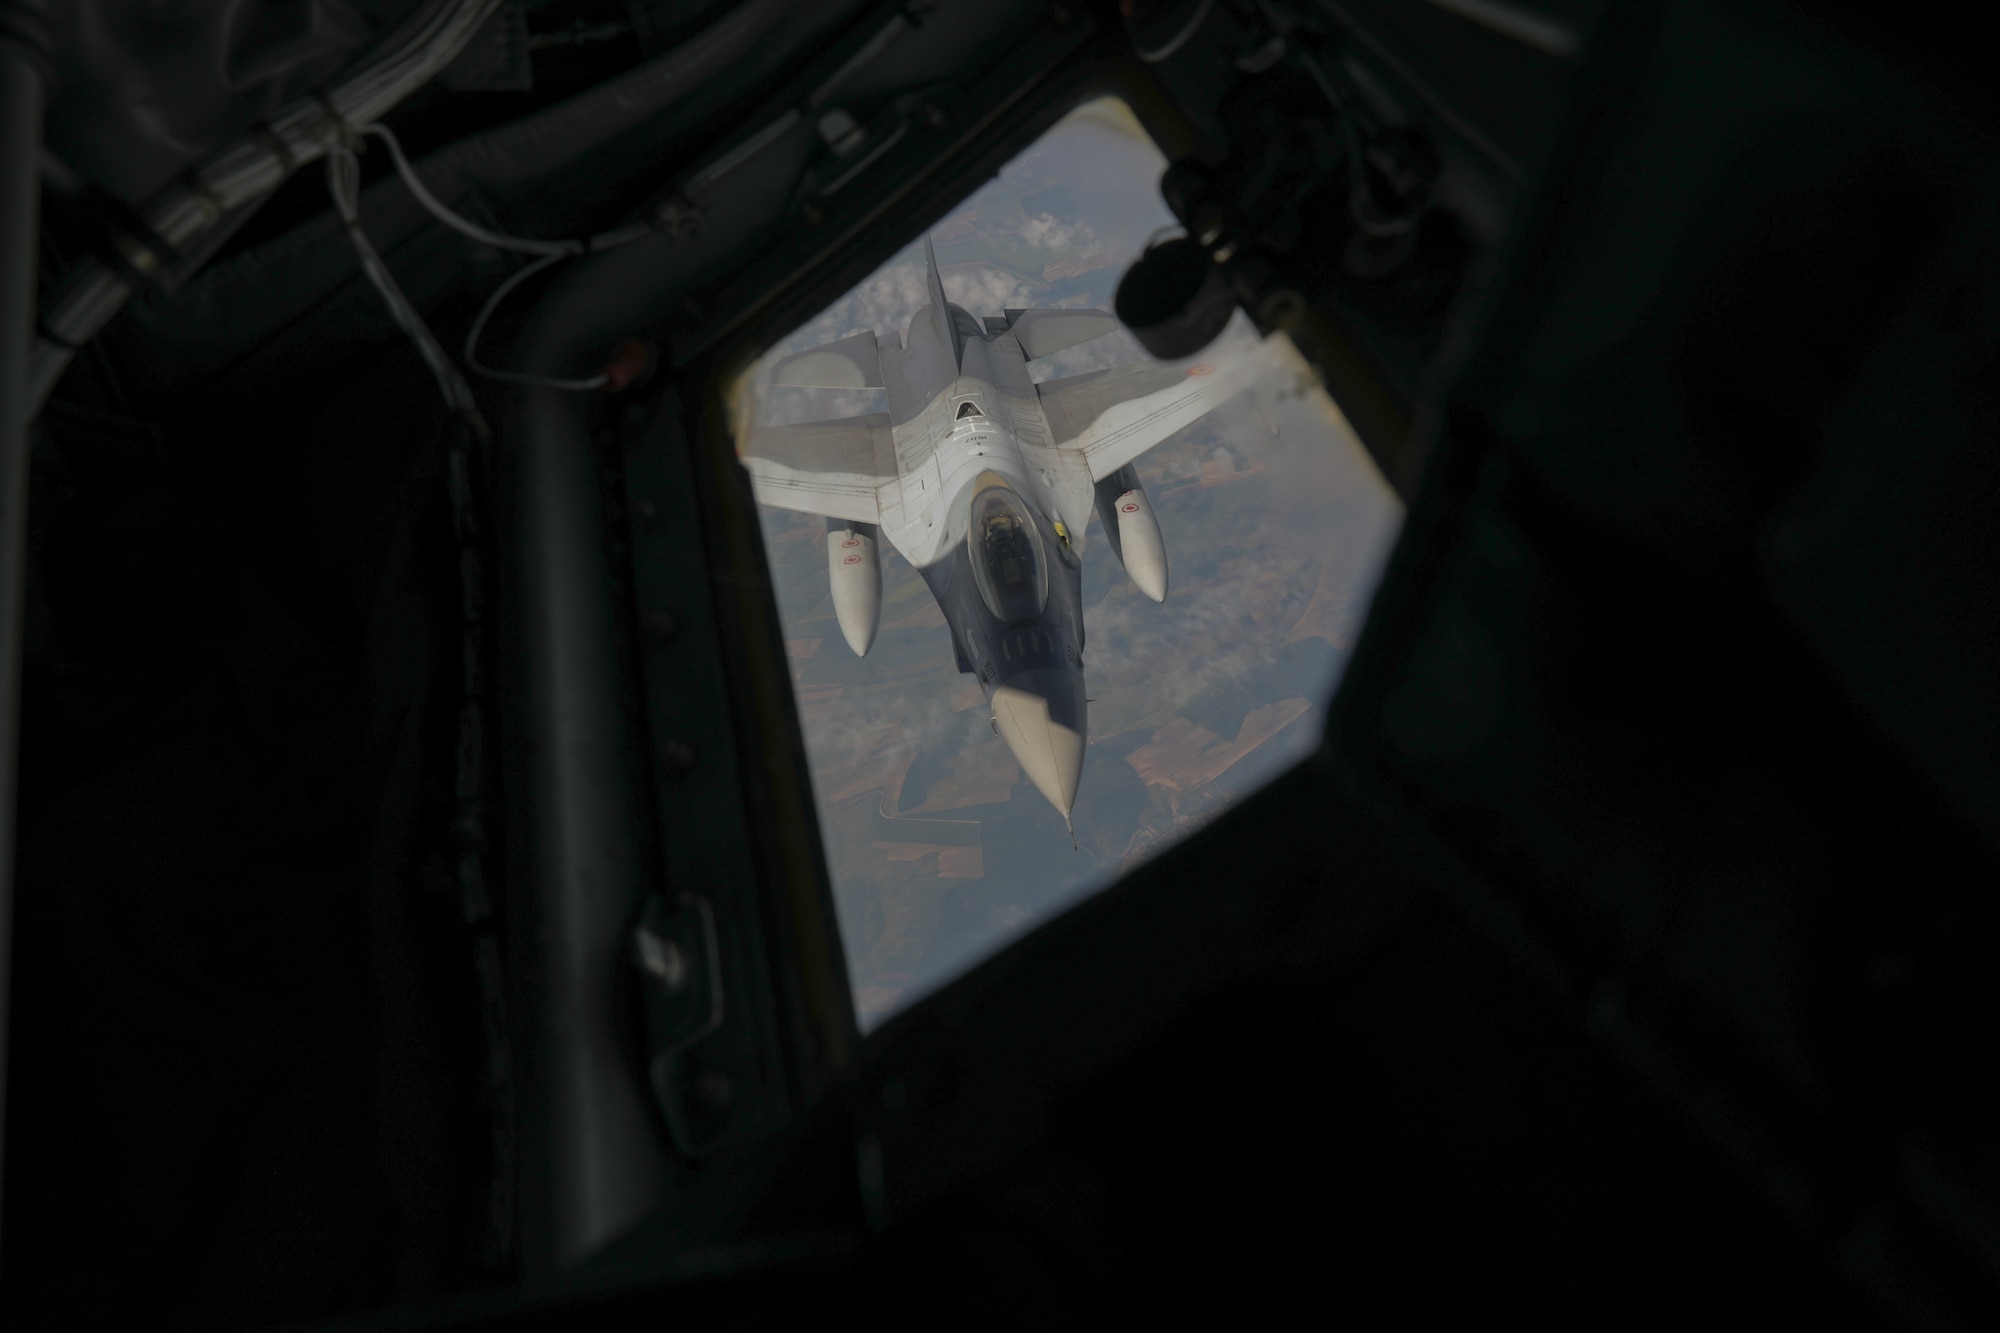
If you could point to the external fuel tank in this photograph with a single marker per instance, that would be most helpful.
(854, 568)
(1133, 531)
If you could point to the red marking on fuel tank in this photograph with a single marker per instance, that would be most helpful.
(852, 560)
(852, 541)
(1131, 508)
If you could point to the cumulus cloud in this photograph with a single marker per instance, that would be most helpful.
(986, 291)
(1043, 232)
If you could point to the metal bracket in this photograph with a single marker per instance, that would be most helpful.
(852, 148)
(680, 975)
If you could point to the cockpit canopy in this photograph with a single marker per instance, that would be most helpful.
(1006, 550)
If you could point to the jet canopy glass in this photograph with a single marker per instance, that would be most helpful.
(1006, 551)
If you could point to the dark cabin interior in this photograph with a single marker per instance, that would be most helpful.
(1622, 958)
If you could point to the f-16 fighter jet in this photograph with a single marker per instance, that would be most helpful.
(985, 481)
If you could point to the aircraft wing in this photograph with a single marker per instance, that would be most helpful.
(1114, 416)
(832, 468)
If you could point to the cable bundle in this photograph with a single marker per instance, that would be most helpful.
(252, 168)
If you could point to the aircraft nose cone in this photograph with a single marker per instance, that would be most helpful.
(1040, 714)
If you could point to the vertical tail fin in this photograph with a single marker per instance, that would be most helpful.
(934, 285)
(931, 362)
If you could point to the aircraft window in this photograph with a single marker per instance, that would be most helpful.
(1275, 524)
(968, 410)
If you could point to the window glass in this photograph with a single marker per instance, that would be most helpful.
(1006, 554)
(1274, 524)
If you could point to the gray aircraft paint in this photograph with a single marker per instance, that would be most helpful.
(1059, 449)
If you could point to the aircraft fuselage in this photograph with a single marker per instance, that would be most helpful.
(985, 482)
(1004, 566)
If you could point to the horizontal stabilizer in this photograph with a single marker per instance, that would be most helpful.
(852, 363)
(1046, 332)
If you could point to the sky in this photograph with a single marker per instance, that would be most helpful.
(1276, 526)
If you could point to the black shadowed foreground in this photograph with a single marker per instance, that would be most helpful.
(419, 914)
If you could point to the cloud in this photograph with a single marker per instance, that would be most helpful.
(882, 302)
(986, 291)
(1043, 232)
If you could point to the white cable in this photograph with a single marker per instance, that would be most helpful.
(514, 280)
(546, 252)
(465, 226)
(343, 182)
(458, 223)
(343, 177)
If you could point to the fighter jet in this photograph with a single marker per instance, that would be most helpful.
(985, 481)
